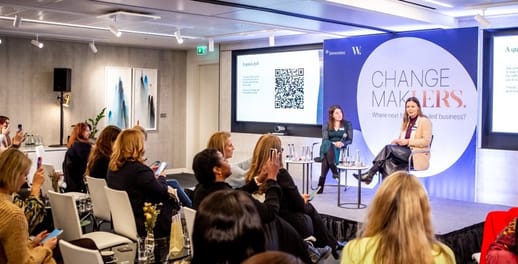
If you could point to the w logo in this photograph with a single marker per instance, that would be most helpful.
(357, 50)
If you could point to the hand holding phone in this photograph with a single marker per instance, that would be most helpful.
(161, 168)
(314, 193)
(56, 232)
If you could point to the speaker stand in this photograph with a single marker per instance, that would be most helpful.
(61, 122)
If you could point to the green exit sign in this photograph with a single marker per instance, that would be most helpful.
(201, 50)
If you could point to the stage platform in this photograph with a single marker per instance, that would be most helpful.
(458, 224)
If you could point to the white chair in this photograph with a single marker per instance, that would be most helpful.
(73, 254)
(123, 219)
(190, 215)
(65, 216)
(100, 207)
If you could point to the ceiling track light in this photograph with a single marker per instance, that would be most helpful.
(92, 46)
(17, 21)
(36, 42)
(271, 40)
(115, 31)
(482, 20)
(178, 36)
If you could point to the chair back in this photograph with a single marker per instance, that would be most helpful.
(100, 207)
(64, 215)
(123, 219)
(47, 184)
(73, 254)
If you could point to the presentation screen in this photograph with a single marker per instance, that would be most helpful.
(279, 86)
(500, 97)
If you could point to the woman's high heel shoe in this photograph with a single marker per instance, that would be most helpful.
(365, 177)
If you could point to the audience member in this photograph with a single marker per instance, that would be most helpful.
(222, 141)
(128, 172)
(32, 205)
(294, 207)
(14, 235)
(227, 231)
(5, 139)
(505, 248)
(337, 133)
(416, 133)
(211, 170)
(398, 227)
(76, 158)
(99, 158)
(180, 191)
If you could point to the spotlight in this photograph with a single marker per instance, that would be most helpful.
(36, 42)
(17, 21)
(178, 36)
(115, 31)
(482, 21)
(271, 40)
(211, 45)
(93, 48)
(0, 41)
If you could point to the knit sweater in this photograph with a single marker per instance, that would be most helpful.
(14, 237)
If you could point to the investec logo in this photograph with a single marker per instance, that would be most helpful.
(335, 53)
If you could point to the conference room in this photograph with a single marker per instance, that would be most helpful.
(187, 69)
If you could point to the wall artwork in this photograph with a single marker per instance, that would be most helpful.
(145, 97)
(118, 92)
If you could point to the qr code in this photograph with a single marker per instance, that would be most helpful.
(289, 88)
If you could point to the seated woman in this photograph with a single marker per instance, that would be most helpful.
(99, 158)
(76, 158)
(222, 141)
(398, 227)
(180, 191)
(211, 170)
(32, 205)
(337, 133)
(416, 134)
(129, 173)
(227, 229)
(505, 248)
(16, 246)
(294, 207)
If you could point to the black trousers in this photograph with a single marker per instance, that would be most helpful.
(328, 162)
(390, 159)
(320, 232)
(280, 235)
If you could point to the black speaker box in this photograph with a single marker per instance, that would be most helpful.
(62, 79)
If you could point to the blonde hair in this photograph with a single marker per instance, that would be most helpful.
(400, 215)
(218, 140)
(13, 163)
(129, 145)
(261, 154)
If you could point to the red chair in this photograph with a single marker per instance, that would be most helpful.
(496, 221)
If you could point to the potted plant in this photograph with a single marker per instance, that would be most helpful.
(93, 122)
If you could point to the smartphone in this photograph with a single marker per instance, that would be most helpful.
(313, 193)
(161, 168)
(38, 163)
(20, 127)
(56, 232)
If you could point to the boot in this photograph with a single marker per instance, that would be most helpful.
(321, 189)
(334, 170)
(365, 177)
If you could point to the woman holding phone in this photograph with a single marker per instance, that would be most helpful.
(16, 246)
(295, 207)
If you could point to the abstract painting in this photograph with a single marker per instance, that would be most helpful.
(145, 97)
(118, 96)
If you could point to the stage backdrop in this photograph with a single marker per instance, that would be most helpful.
(372, 76)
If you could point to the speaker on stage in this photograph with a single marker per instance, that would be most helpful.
(62, 79)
